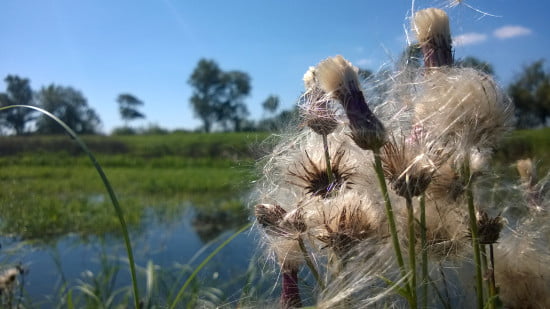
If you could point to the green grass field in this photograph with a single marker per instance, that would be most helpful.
(48, 187)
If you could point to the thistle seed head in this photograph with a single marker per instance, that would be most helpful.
(464, 109)
(289, 255)
(446, 229)
(347, 221)
(488, 228)
(409, 171)
(294, 222)
(447, 184)
(339, 79)
(432, 30)
(313, 177)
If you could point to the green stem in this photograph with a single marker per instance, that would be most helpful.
(389, 214)
(424, 244)
(310, 264)
(412, 249)
(492, 283)
(327, 161)
(484, 267)
(473, 230)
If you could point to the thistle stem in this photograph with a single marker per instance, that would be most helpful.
(310, 264)
(327, 161)
(389, 214)
(412, 249)
(492, 284)
(424, 244)
(484, 267)
(290, 296)
(473, 230)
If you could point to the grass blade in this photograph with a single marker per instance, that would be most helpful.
(204, 262)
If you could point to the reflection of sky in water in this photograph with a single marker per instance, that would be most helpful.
(164, 243)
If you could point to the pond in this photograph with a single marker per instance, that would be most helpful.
(172, 246)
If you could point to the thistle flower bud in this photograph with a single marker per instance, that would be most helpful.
(434, 36)
(315, 107)
(488, 228)
(269, 216)
(339, 79)
(9, 277)
(527, 172)
(533, 190)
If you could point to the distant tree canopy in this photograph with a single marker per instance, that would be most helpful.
(18, 92)
(473, 62)
(70, 106)
(271, 104)
(530, 92)
(218, 96)
(128, 107)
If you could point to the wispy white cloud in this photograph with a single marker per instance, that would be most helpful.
(364, 62)
(469, 38)
(507, 32)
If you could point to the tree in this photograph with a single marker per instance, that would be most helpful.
(70, 106)
(218, 96)
(271, 104)
(233, 110)
(18, 92)
(530, 92)
(473, 62)
(128, 107)
(208, 84)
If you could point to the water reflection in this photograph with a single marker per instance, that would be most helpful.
(173, 243)
(211, 224)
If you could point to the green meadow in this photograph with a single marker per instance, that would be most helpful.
(49, 188)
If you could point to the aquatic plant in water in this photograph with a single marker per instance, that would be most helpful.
(379, 204)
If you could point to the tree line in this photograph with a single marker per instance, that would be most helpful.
(64, 102)
(218, 101)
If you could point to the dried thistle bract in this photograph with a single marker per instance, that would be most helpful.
(313, 176)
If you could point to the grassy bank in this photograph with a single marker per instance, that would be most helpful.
(522, 144)
(48, 187)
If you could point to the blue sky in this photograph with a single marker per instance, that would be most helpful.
(149, 48)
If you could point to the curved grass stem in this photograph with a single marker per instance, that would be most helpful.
(204, 262)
